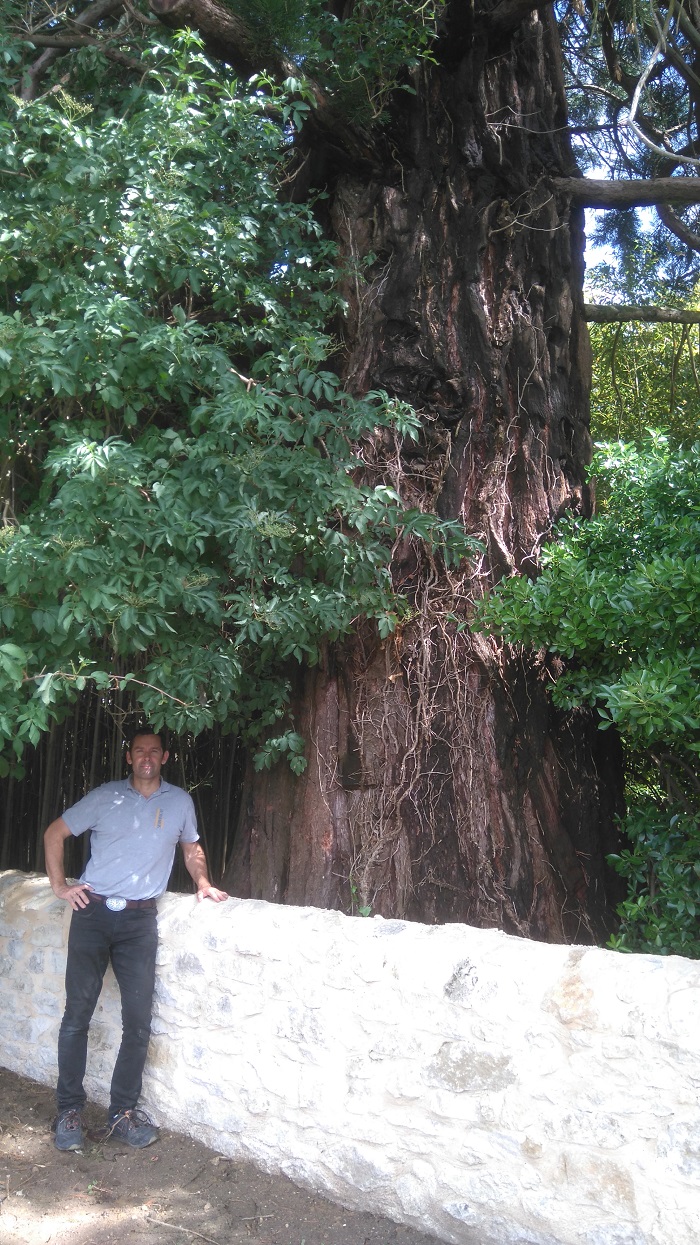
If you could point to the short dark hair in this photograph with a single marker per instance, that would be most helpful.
(146, 729)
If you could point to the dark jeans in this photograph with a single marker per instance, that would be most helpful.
(129, 940)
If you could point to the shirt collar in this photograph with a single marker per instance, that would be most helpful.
(164, 786)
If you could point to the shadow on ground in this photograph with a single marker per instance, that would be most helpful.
(174, 1193)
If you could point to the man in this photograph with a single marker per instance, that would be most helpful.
(136, 824)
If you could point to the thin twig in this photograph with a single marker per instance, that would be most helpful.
(116, 679)
(177, 1227)
(613, 376)
(692, 363)
(674, 369)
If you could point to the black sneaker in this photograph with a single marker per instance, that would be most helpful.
(68, 1127)
(132, 1126)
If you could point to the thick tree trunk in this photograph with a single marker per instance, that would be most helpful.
(441, 784)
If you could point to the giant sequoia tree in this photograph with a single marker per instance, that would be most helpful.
(430, 147)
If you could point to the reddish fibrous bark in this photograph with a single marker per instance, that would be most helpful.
(441, 783)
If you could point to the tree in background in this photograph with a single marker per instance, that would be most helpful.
(645, 376)
(440, 781)
(634, 93)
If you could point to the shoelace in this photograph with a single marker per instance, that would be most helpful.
(134, 1115)
(71, 1120)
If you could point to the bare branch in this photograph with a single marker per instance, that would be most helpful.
(634, 192)
(65, 42)
(613, 375)
(226, 34)
(91, 16)
(682, 231)
(662, 46)
(96, 12)
(618, 313)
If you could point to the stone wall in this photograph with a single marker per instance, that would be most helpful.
(480, 1087)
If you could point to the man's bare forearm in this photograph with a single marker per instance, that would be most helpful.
(54, 840)
(196, 865)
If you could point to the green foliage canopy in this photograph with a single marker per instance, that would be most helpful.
(182, 505)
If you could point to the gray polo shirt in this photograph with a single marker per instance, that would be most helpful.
(133, 836)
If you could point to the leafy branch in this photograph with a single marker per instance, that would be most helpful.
(189, 505)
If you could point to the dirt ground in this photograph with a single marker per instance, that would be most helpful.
(174, 1193)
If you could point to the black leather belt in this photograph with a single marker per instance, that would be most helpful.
(115, 903)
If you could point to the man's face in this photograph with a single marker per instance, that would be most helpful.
(146, 757)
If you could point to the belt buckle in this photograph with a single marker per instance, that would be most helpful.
(115, 903)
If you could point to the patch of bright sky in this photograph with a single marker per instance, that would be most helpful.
(595, 254)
